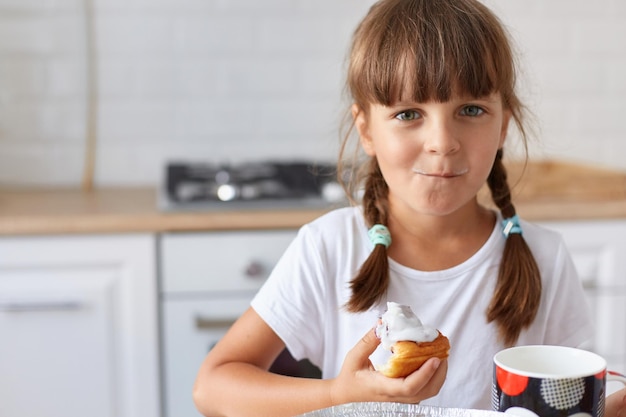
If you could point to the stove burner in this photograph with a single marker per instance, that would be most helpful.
(259, 184)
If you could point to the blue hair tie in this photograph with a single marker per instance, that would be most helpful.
(379, 235)
(511, 225)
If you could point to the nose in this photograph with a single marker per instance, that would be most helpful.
(441, 138)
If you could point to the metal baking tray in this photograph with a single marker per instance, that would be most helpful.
(386, 409)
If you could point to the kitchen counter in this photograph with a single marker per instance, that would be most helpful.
(125, 210)
(547, 190)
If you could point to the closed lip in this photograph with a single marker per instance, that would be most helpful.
(442, 173)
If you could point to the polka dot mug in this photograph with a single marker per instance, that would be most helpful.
(550, 381)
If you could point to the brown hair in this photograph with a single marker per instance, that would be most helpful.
(433, 49)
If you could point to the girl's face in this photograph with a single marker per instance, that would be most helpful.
(434, 156)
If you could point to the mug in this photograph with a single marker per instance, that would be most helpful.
(550, 381)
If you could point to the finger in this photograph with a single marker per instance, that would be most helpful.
(368, 343)
(616, 404)
(420, 377)
(413, 388)
(426, 381)
(359, 355)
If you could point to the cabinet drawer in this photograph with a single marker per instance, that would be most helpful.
(220, 261)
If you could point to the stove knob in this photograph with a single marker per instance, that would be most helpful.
(333, 192)
(227, 192)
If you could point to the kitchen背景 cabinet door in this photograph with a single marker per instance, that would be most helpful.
(78, 326)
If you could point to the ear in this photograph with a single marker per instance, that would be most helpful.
(360, 124)
(504, 130)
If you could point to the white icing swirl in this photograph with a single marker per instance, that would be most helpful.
(400, 323)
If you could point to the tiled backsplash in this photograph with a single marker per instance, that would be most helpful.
(232, 80)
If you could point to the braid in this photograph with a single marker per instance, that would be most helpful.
(518, 290)
(372, 280)
(499, 187)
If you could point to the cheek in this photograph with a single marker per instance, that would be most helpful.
(482, 158)
(486, 142)
(396, 165)
(394, 155)
(393, 146)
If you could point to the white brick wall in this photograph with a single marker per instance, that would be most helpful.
(574, 53)
(231, 80)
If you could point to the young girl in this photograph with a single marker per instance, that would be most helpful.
(432, 84)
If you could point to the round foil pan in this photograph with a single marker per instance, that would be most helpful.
(385, 409)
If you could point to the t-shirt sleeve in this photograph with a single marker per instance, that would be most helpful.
(569, 315)
(290, 301)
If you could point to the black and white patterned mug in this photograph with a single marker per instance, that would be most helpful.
(550, 381)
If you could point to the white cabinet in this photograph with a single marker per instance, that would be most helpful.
(208, 280)
(78, 326)
(599, 252)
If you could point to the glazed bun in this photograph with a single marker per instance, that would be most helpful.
(409, 356)
(410, 342)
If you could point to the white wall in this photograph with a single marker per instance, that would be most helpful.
(232, 80)
(574, 80)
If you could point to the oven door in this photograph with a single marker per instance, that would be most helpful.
(191, 327)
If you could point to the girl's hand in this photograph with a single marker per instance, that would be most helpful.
(616, 404)
(358, 381)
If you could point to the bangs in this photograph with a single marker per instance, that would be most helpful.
(429, 50)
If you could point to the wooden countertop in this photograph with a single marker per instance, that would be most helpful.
(125, 210)
(547, 191)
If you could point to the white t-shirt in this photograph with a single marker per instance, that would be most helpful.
(303, 300)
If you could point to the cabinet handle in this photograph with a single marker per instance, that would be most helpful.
(203, 323)
(38, 306)
(255, 269)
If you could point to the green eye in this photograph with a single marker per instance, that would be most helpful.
(408, 115)
(472, 111)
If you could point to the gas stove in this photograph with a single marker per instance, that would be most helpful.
(253, 185)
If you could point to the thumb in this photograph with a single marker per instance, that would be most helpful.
(365, 347)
